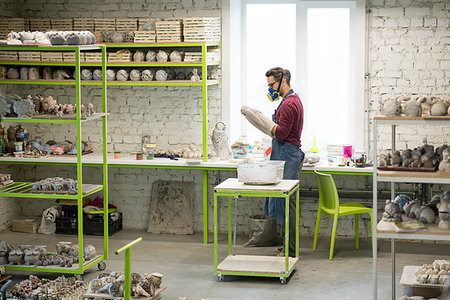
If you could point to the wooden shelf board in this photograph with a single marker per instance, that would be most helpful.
(256, 264)
(437, 174)
(409, 278)
(388, 227)
(75, 266)
(400, 118)
(108, 296)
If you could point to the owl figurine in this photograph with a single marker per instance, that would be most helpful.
(220, 142)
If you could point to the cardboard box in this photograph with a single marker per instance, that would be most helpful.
(26, 225)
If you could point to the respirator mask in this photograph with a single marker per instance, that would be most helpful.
(275, 95)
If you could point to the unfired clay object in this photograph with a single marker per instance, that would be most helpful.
(60, 75)
(48, 104)
(396, 159)
(220, 142)
(150, 56)
(89, 252)
(411, 208)
(258, 119)
(63, 247)
(135, 75)
(147, 75)
(31, 256)
(162, 56)
(180, 76)
(413, 107)
(24, 108)
(122, 75)
(439, 106)
(444, 165)
(15, 257)
(170, 74)
(425, 215)
(47, 73)
(24, 73)
(391, 107)
(176, 56)
(86, 74)
(3, 72)
(13, 73)
(195, 76)
(444, 211)
(110, 75)
(161, 75)
(139, 56)
(33, 73)
(97, 74)
(117, 37)
(392, 212)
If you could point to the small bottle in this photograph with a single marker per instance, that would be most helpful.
(2, 145)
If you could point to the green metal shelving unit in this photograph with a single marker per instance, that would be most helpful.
(24, 190)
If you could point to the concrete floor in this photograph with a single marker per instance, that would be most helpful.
(187, 265)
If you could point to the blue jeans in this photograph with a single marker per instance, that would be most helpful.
(293, 157)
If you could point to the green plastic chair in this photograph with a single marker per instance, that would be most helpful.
(329, 206)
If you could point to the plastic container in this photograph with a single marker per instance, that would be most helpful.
(261, 172)
(117, 154)
(139, 156)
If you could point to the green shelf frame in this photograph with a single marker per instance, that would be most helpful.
(112, 83)
(112, 64)
(23, 190)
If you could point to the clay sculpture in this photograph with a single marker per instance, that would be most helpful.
(74, 38)
(129, 36)
(13, 73)
(48, 104)
(90, 109)
(138, 56)
(444, 211)
(150, 56)
(411, 208)
(73, 252)
(33, 74)
(220, 141)
(257, 119)
(117, 37)
(391, 107)
(60, 75)
(63, 247)
(162, 56)
(47, 73)
(89, 252)
(5, 248)
(176, 56)
(425, 215)
(86, 74)
(396, 159)
(439, 106)
(110, 75)
(5, 107)
(122, 75)
(161, 75)
(392, 211)
(97, 74)
(3, 72)
(195, 76)
(147, 75)
(48, 220)
(170, 74)
(15, 257)
(180, 76)
(444, 165)
(135, 75)
(402, 200)
(406, 158)
(24, 73)
(24, 108)
(57, 38)
(31, 256)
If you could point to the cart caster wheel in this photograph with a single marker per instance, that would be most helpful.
(101, 266)
(220, 277)
(79, 277)
(283, 280)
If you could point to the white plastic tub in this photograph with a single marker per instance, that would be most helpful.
(261, 172)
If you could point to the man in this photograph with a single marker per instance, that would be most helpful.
(286, 143)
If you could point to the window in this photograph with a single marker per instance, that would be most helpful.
(315, 40)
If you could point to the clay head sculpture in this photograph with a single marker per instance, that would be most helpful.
(176, 56)
(110, 75)
(135, 75)
(86, 74)
(391, 107)
(122, 75)
(147, 75)
(138, 56)
(161, 75)
(97, 74)
(150, 56)
(13, 73)
(162, 56)
(47, 73)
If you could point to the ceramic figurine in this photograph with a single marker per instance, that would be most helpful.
(150, 56)
(411, 208)
(425, 215)
(220, 141)
(392, 212)
(122, 75)
(444, 211)
(135, 75)
(162, 56)
(195, 76)
(13, 73)
(86, 74)
(176, 56)
(90, 109)
(180, 76)
(439, 106)
(42, 251)
(391, 107)
(60, 75)
(15, 257)
(24, 108)
(24, 73)
(31, 256)
(3, 72)
(429, 160)
(48, 104)
(440, 150)
(406, 158)
(396, 159)
(97, 74)
(147, 75)
(138, 56)
(47, 73)
(161, 75)
(444, 165)
(402, 200)
(110, 75)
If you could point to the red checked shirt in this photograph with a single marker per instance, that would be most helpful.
(290, 120)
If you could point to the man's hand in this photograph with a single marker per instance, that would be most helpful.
(260, 121)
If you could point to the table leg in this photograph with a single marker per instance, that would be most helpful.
(297, 222)
(234, 226)
(230, 232)
(286, 234)
(393, 267)
(205, 206)
(216, 229)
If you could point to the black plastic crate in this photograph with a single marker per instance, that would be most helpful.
(94, 225)
(91, 225)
